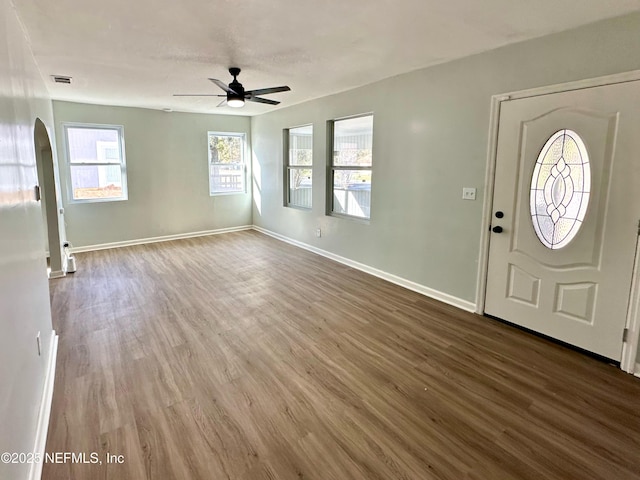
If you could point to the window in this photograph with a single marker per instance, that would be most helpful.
(298, 166)
(97, 168)
(351, 164)
(226, 163)
(560, 188)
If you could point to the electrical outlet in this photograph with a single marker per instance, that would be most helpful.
(318, 232)
(468, 193)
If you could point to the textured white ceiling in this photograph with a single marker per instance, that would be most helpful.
(140, 52)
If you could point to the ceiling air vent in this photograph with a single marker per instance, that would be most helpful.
(61, 79)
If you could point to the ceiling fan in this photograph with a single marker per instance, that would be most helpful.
(236, 94)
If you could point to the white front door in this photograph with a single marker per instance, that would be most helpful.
(567, 202)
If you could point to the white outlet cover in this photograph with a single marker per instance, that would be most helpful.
(468, 193)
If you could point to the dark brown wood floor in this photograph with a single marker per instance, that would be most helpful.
(240, 357)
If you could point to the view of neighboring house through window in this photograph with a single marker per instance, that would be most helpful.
(298, 168)
(96, 162)
(226, 163)
(351, 166)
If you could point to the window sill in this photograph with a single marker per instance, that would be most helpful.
(96, 200)
(366, 221)
(297, 207)
(226, 194)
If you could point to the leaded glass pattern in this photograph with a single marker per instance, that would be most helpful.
(560, 188)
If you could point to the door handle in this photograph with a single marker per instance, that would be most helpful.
(497, 229)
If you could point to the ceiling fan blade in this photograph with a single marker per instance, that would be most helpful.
(264, 91)
(197, 95)
(222, 85)
(261, 100)
(223, 103)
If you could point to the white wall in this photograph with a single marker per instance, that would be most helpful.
(168, 183)
(430, 141)
(24, 291)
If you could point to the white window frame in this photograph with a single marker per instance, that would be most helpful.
(288, 167)
(331, 168)
(123, 162)
(243, 155)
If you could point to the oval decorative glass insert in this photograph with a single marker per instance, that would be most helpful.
(560, 188)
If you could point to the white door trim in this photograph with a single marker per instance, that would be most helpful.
(630, 347)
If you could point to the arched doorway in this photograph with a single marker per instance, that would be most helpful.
(48, 197)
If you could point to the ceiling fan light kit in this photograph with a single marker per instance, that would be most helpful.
(236, 94)
(234, 102)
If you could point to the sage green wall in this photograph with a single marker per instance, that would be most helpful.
(167, 176)
(430, 140)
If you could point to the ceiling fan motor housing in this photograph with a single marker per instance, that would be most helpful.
(237, 88)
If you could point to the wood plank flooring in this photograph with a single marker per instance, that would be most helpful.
(240, 357)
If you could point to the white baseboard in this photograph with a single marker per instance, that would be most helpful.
(57, 274)
(165, 238)
(636, 372)
(403, 282)
(35, 472)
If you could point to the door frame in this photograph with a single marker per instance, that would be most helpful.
(50, 195)
(630, 346)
